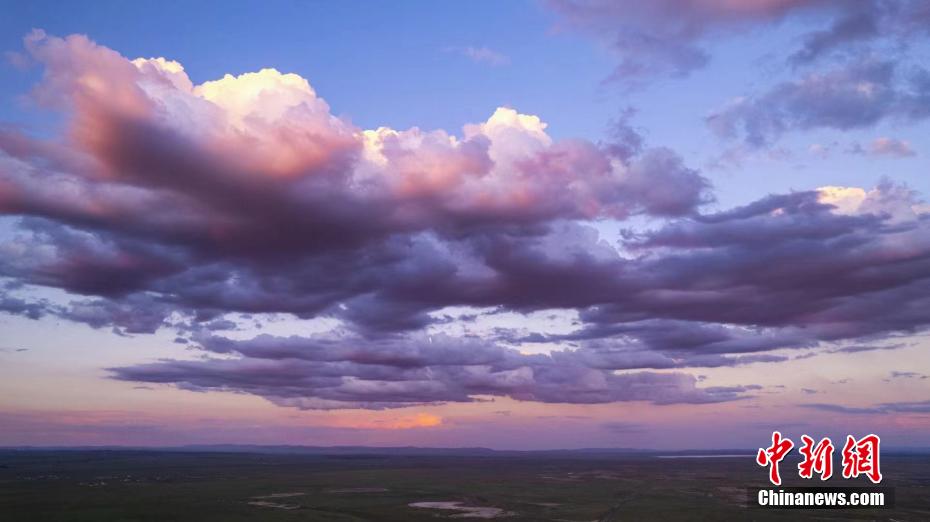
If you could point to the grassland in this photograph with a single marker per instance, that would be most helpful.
(159, 486)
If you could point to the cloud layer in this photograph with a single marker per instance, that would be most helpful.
(170, 205)
(360, 373)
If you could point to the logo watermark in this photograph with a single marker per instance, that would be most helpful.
(859, 457)
(821, 497)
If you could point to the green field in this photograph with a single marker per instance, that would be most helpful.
(156, 486)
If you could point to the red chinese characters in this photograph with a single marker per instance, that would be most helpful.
(773, 455)
(860, 457)
(817, 459)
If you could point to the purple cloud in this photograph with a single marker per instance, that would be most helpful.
(857, 95)
(671, 37)
(170, 205)
(666, 37)
(884, 408)
(392, 373)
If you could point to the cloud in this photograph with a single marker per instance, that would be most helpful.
(135, 314)
(208, 189)
(884, 408)
(339, 373)
(266, 144)
(625, 140)
(854, 96)
(17, 306)
(890, 147)
(481, 55)
(907, 375)
(738, 268)
(859, 23)
(869, 348)
(169, 205)
(672, 37)
(665, 37)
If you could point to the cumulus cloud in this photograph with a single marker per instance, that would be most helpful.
(212, 187)
(265, 145)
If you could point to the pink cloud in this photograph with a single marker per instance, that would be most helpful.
(891, 147)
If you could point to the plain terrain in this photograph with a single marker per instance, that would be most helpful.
(159, 486)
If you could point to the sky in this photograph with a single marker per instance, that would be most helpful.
(680, 224)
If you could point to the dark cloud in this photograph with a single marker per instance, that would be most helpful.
(135, 314)
(17, 306)
(712, 290)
